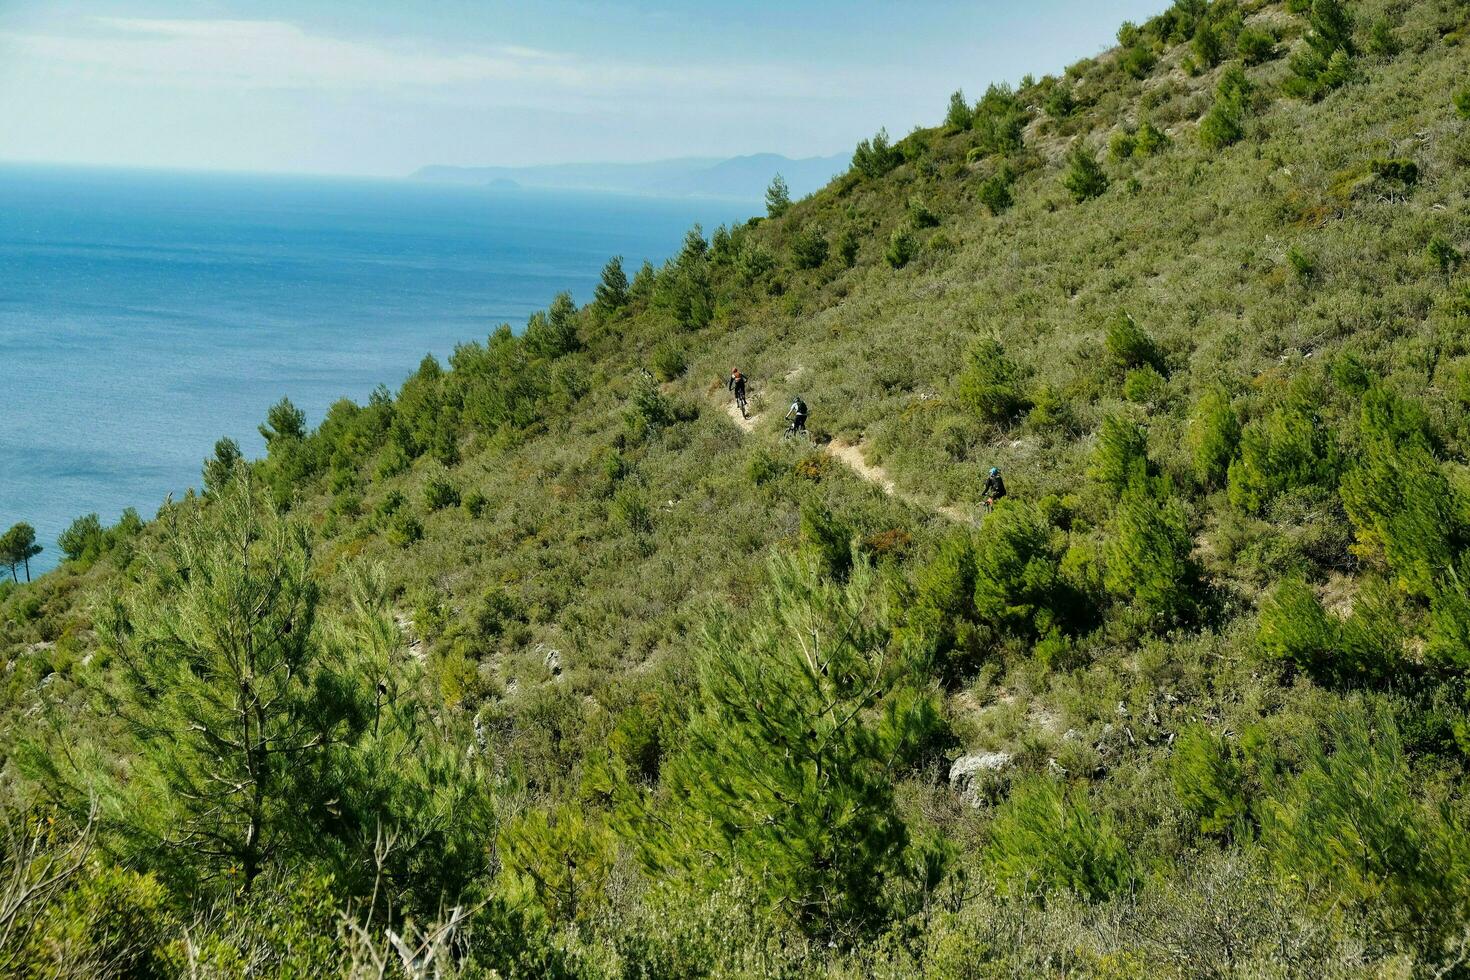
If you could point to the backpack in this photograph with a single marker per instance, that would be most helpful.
(800, 406)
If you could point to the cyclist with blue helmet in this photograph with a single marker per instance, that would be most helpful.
(995, 487)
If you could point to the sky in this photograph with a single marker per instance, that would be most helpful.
(381, 88)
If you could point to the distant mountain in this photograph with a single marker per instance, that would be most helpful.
(743, 178)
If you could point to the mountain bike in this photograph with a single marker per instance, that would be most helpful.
(792, 432)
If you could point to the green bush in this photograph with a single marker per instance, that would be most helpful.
(1211, 780)
(902, 247)
(1289, 447)
(1355, 828)
(1148, 555)
(440, 492)
(809, 248)
(1145, 385)
(1255, 46)
(1462, 103)
(920, 214)
(1046, 839)
(959, 116)
(1019, 589)
(875, 157)
(1121, 455)
(1296, 631)
(1224, 124)
(475, 503)
(667, 360)
(1128, 345)
(995, 191)
(826, 539)
(990, 384)
(1084, 178)
(1325, 61)
(1214, 433)
(998, 121)
(788, 763)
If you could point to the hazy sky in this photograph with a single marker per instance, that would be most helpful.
(373, 87)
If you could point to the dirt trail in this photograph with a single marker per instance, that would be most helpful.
(851, 455)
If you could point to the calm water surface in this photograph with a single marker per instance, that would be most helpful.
(144, 315)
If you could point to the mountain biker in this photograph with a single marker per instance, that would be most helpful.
(995, 487)
(737, 386)
(797, 414)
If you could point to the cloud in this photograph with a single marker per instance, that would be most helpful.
(273, 54)
(277, 54)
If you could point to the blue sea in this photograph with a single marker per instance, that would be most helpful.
(144, 314)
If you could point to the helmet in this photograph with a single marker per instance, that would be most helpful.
(995, 471)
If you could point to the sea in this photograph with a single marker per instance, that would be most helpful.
(144, 314)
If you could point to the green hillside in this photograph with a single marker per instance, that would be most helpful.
(545, 665)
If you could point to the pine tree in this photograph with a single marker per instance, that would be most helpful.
(283, 421)
(17, 547)
(959, 116)
(220, 468)
(1214, 433)
(1018, 585)
(1084, 177)
(1148, 554)
(612, 291)
(225, 687)
(787, 774)
(990, 383)
(778, 197)
(1121, 456)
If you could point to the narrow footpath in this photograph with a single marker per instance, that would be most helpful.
(853, 456)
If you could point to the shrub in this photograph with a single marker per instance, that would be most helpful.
(1209, 773)
(847, 247)
(1059, 101)
(1145, 385)
(1325, 61)
(1018, 585)
(1048, 839)
(404, 529)
(809, 248)
(875, 157)
(1214, 433)
(920, 214)
(1462, 103)
(772, 711)
(990, 383)
(1296, 631)
(1301, 264)
(778, 197)
(902, 247)
(1128, 345)
(827, 539)
(1121, 145)
(1084, 178)
(83, 538)
(998, 121)
(1121, 455)
(1355, 827)
(667, 360)
(1050, 410)
(1381, 39)
(1255, 46)
(995, 191)
(959, 116)
(1148, 554)
(475, 503)
(1444, 255)
(439, 492)
(1402, 505)
(1148, 140)
(1224, 124)
(1138, 60)
(1290, 447)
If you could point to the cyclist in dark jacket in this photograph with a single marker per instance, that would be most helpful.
(995, 487)
(797, 414)
(737, 387)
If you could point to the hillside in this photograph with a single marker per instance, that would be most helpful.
(547, 666)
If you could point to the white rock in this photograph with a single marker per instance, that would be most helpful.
(976, 777)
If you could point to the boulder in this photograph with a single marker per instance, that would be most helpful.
(977, 778)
